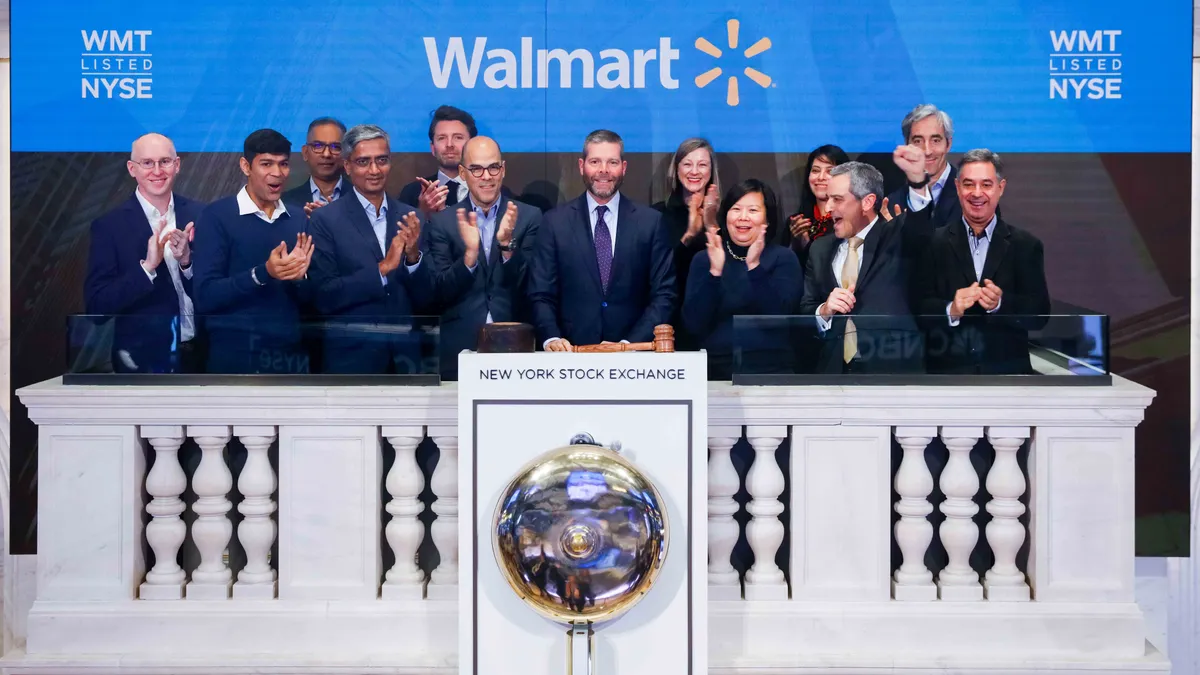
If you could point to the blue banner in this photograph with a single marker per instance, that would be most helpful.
(1032, 76)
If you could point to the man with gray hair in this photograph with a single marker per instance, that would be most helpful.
(857, 282)
(368, 266)
(924, 159)
(985, 277)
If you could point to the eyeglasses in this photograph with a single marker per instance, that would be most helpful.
(492, 169)
(319, 147)
(150, 164)
(364, 162)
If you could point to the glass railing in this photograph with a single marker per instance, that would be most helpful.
(901, 349)
(252, 349)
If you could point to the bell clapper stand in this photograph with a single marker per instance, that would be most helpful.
(581, 660)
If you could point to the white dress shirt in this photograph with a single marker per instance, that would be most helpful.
(839, 259)
(610, 217)
(378, 220)
(917, 201)
(442, 179)
(187, 318)
(246, 206)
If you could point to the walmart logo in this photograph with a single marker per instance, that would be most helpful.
(706, 78)
(523, 67)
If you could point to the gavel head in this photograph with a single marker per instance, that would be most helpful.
(664, 338)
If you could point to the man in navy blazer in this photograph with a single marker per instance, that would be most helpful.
(140, 265)
(480, 252)
(932, 132)
(367, 269)
(603, 268)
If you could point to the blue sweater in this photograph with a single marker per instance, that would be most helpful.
(251, 328)
(710, 303)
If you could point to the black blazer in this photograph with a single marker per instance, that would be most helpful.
(565, 289)
(996, 343)
(302, 195)
(946, 210)
(345, 276)
(465, 298)
(889, 340)
(772, 288)
(675, 221)
(117, 286)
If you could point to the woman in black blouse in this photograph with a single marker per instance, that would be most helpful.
(813, 220)
(740, 273)
(693, 184)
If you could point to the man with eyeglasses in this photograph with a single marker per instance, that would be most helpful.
(480, 252)
(368, 270)
(322, 152)
(140, 265)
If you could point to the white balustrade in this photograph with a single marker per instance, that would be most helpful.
(256, 532)
(1005, 533)
(723, 530)
(958, 532)
(337, 609)
(765, 482)
(914, 532)
(405, 580)
(212, 530)
(166, 531)
(443, 581)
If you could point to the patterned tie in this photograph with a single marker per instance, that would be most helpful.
(604, 255)
(849, 278)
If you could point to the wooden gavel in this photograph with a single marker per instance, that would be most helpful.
(664, 343)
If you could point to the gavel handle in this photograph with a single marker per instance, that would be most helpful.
(616, 347)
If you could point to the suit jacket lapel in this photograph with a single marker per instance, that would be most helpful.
(360, 221)
(962, 252)
(587, 246)
(870, 248)
(626, 239)
(996, 250)
(946, 200)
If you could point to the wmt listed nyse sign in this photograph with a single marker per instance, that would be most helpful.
(1085, 64)
(116, 64)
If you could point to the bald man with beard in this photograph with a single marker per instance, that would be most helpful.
(140, 265)
(480, 250)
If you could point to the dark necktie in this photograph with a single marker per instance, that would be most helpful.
(603, 248)
(452, 195)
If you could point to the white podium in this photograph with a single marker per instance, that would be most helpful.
(514, 407)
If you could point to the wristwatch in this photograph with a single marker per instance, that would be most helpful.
(254, 276)
(922, 183)
(512, 246)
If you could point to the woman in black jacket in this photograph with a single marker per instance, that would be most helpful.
(813, 220)
(692, 182)
(739, 273)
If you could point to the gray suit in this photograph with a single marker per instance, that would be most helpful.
(466, 298)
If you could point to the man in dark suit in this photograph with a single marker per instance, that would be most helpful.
(368, 271)
(140, 266)
(449, 131)
(858, 281)
(480, 252)
(322, 153)
(932, 181)
(986, 278)
(603, 268)
(249, 286)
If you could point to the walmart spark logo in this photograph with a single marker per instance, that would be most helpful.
(706, 78)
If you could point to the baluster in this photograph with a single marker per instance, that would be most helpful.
(212, 530)
(443, 582)
(723, 483)
(166, 531)
(958, 532)
(257, 530)
(1005, 533)
(914, 532)
(765, 482)
(405, 580)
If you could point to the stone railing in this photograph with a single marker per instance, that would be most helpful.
(286, 529)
